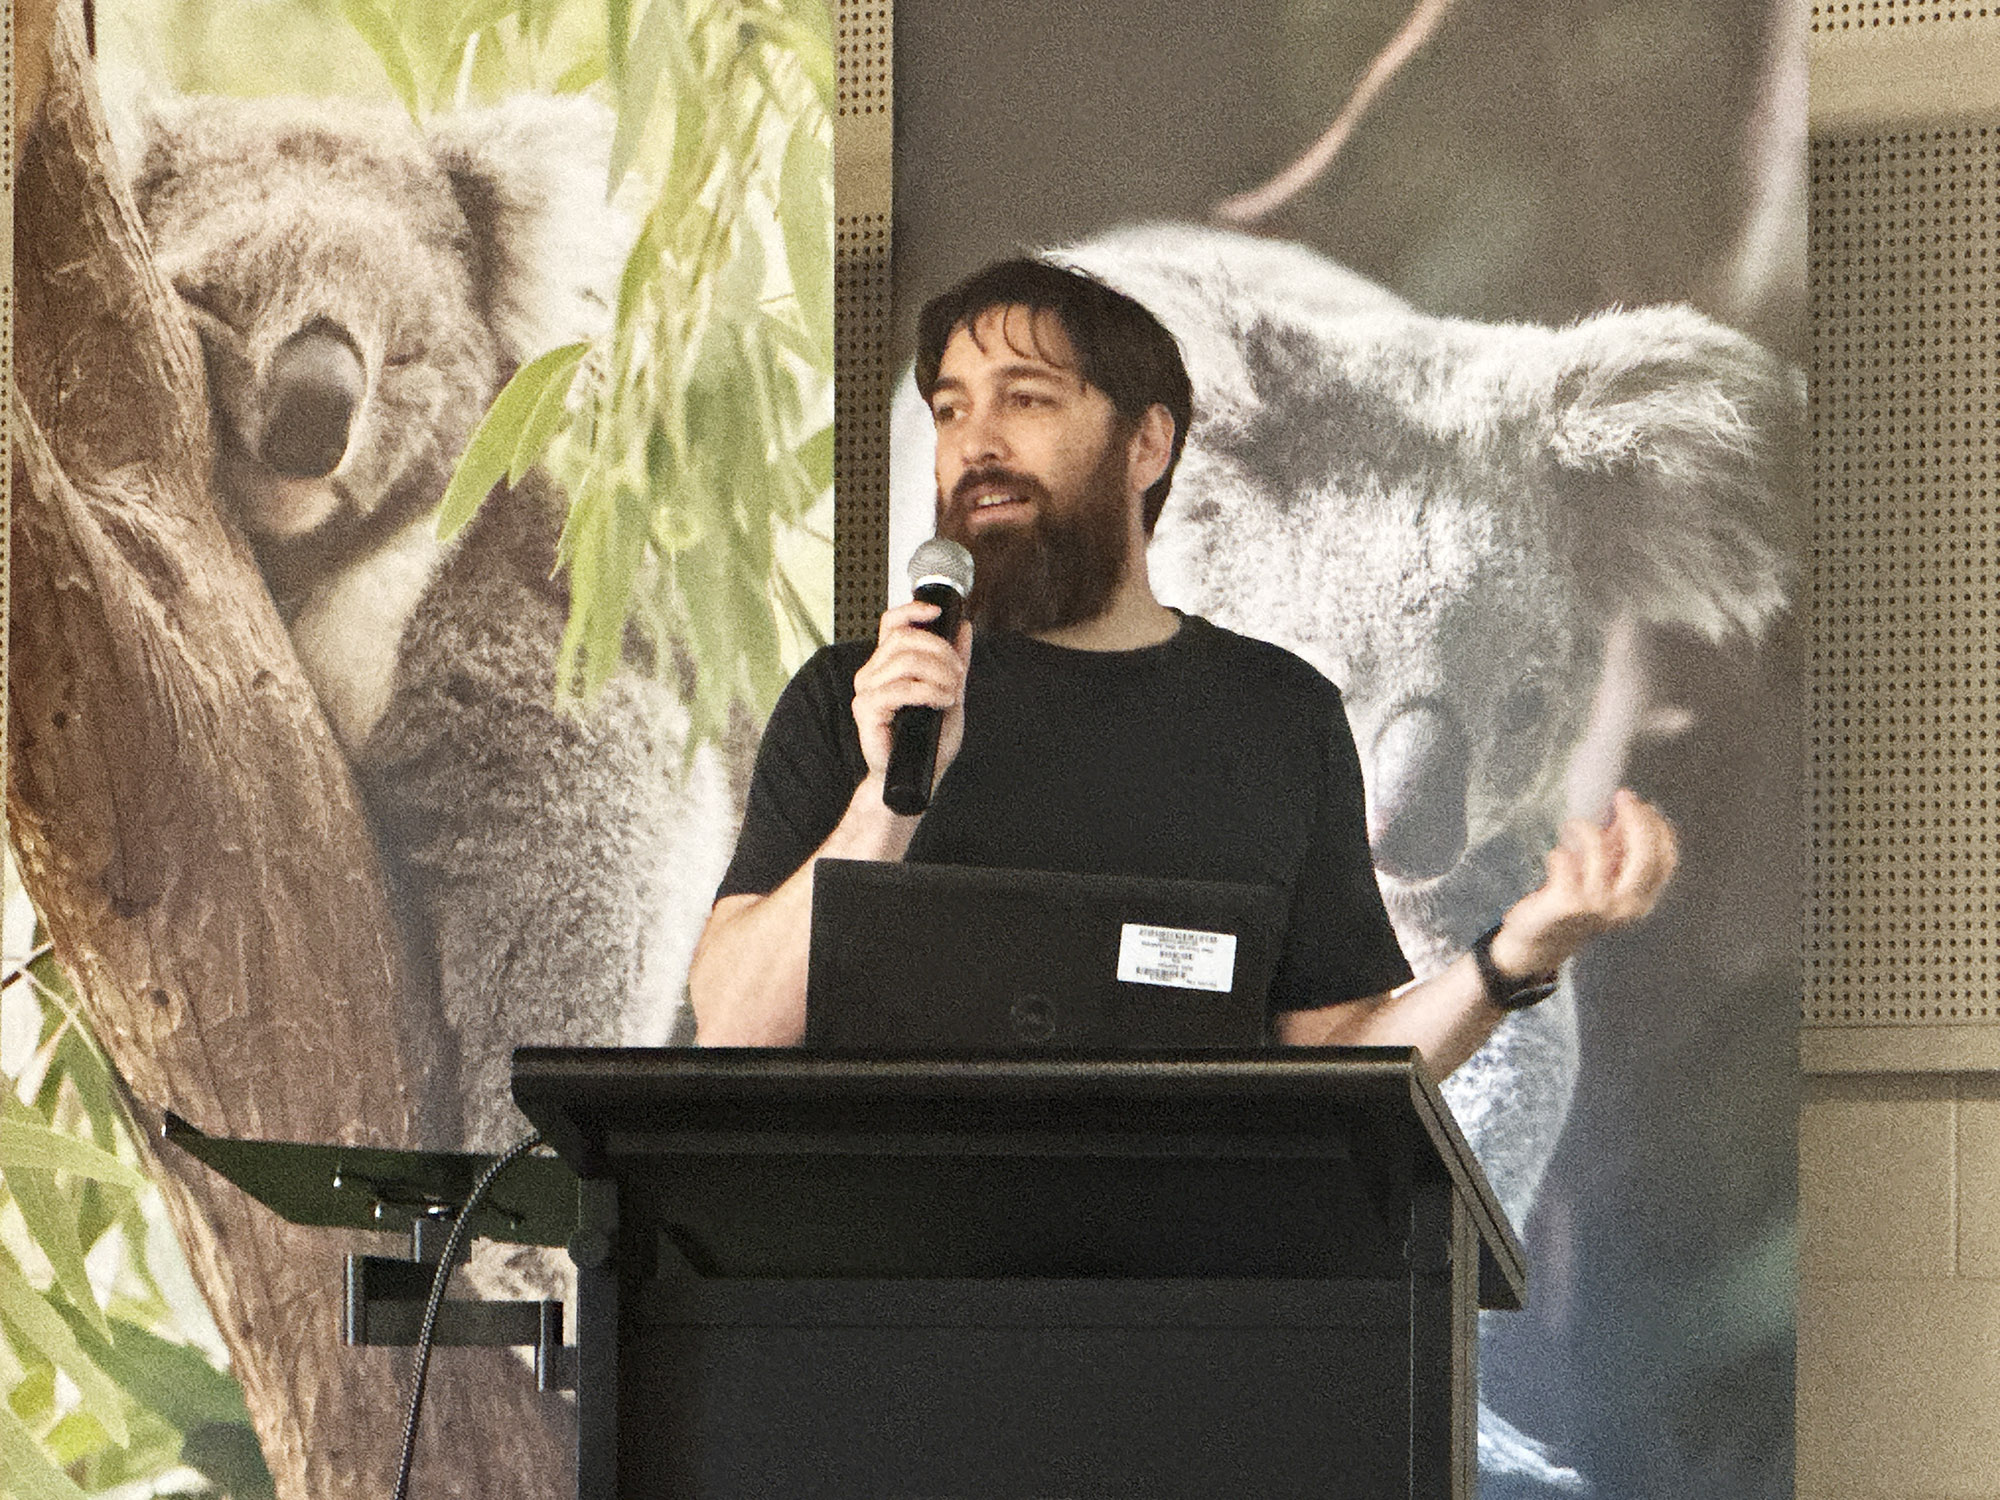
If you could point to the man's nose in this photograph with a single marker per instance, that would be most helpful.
(982, 436)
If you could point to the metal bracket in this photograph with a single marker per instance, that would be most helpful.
(385, 1305)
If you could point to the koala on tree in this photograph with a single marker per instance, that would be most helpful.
(1457, 522)
(362, 291)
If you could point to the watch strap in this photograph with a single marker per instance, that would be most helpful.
(1505, 993)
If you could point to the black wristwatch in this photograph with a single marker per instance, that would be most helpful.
(1509, 994)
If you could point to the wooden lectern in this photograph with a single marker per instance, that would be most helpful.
(1003, 1277)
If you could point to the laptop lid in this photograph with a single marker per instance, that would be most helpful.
(917, 957)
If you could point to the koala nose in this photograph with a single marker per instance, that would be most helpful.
(311, 393)
(1416, 814)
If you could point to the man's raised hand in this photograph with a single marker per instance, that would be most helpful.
(1599, 877)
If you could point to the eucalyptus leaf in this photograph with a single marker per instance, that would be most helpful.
(805, 215)
(174, 1381)
(226, 1453)
(651, 49)
(800, 613)
(475, 17)
(687, 167)
(812, 47)
(30, 1144)
(154, 1448)
(81, 1064)
(580, 75)
(28, 1312)
(34, 1399)
(386, 42)
(75, 1438)
(494, 441)
(815, 455)
(786, 327)
(550, 412)
(31, 1474)
(51, 1217)
(617, 28)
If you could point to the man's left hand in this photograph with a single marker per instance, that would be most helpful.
(1600, 877)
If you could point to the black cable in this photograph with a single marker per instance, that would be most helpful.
(438, 1283)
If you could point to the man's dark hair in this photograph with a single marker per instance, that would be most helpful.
(1121, 348)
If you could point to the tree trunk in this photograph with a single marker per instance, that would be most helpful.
(187, 826)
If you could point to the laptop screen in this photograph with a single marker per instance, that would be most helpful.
(917, 957)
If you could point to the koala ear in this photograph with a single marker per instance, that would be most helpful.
(1275, 363)
(1678, 441)
(141, 140)
(545, 245)
(157, 138)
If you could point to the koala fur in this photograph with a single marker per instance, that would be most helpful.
(362, 291)
(1451, 520)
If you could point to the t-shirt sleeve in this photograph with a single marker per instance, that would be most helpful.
(1339, 943)
(808, 765)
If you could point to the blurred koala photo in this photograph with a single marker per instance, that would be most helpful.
(1456, 522)
(362, 291)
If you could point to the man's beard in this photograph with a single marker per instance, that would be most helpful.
(1058, 568)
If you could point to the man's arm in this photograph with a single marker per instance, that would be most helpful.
(1599, 878)
(747, 982)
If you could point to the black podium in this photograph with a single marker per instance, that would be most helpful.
(1035, 1276)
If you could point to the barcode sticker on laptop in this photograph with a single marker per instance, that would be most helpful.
(1178, 957)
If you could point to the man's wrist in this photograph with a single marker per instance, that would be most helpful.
(871, 829)
(1511, 978)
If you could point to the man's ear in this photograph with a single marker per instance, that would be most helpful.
(1149, 449)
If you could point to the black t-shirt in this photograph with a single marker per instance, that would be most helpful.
(1210, 756)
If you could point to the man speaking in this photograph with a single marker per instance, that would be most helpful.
(1087, 727)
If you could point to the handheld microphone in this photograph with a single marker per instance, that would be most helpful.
(940, 574)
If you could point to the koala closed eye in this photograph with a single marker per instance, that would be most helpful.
(211, 306)
(1523, 709)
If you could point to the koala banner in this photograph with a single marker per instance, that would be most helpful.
(425, 437)
(1494, 314)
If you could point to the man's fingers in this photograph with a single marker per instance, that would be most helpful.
(908, 692)
(1654, 853)
(910, 653)
(916, 612)
(1618, 867)
(921, 683)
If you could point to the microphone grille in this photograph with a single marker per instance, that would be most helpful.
(939, 558)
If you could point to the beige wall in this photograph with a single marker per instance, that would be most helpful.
(1899, 1287)
(1899, 1136)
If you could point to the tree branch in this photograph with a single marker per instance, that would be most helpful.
(188, 828)
(1248, 209)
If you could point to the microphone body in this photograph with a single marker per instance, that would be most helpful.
(913, 732)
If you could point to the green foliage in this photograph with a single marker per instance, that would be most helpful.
(101, 1388)
(696, 438)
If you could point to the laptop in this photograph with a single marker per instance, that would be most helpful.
(923, 957)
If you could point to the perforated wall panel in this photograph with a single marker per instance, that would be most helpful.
(862, 142)
(1905, 682)
(1832, 16)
